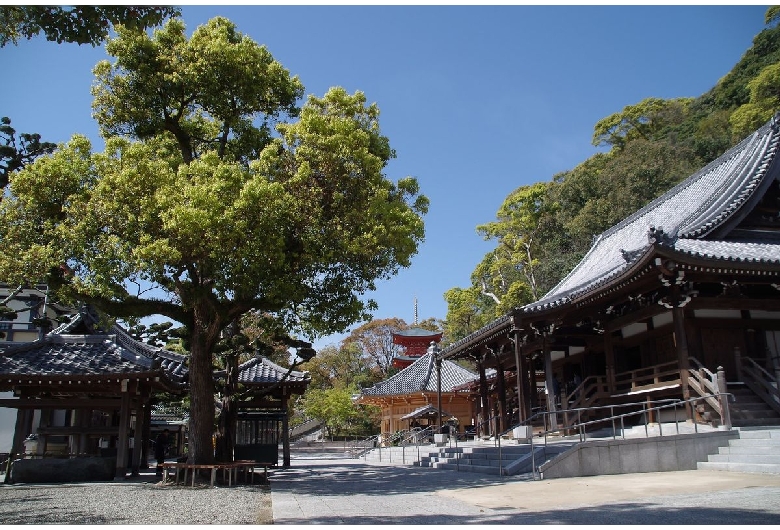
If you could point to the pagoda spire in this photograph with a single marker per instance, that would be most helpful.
(415, 310)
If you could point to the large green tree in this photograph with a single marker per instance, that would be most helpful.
(211, 200)
(79, 24)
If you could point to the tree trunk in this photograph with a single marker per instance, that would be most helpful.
(228, 416)
(202, 414)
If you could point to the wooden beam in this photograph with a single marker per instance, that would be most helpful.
(61, 404)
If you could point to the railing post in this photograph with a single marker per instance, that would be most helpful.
(723, 397)
(738, 361)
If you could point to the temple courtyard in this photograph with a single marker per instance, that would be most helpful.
(329, 488)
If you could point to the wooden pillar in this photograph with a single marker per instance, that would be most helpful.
(533, 392)
(501, 424)
(124, 424)
(548, 375)
(23, 428)
(681, 345)
(147, 434)
(46, 415)
(438, 391)
(523, 411)
(285, 433)
(138, 436)
(483, 400)
(723, 398)
(609, 356)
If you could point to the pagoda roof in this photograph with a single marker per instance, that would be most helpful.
(700, 219)
(421, 376)
(416, 336)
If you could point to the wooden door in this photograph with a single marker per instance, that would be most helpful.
(718, 349)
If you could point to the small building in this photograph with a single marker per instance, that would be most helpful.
(83, 393)
(263, 419)
(411, 397)
(77, 389)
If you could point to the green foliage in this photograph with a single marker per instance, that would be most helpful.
(646, 120)
(374, 340)
(467, 311)
(764, 102)
(335, 409)
(76, 24)
(345, 365)
(15, 153)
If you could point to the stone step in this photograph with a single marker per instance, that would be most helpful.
(745, 459)
(481, 462)
(738, 467)
(745, 434)
(750, 450)
(752, 442)
(488, 470)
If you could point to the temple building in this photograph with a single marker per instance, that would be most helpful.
(679, 300)
(410, 398)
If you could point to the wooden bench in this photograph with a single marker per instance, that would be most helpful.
(229, 470)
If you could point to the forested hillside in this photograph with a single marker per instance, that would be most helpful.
(541, 231)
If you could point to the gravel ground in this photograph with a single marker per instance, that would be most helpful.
(134, 503)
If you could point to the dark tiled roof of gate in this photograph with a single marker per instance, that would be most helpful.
(260, 370)
(63, 354)
(421, 376)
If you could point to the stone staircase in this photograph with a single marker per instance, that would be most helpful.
(510, 459)
(757, 450)
(749, 410)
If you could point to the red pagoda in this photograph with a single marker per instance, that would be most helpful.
(415, 341)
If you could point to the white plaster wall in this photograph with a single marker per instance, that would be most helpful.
(7, 423)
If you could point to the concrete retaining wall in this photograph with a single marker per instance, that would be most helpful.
(47, 470)
(639, 455)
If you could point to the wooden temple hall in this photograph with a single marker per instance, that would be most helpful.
(681, 300)
(84, 400)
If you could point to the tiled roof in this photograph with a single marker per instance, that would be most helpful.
(420, 376)
(260, 370)
(425, 410)
(736, 251)
(63, 354)
(691, 210)
(72, 355)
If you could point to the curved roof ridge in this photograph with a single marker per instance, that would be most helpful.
(708, 198)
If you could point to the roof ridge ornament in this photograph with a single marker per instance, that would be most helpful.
(659, 236)
(775, 122)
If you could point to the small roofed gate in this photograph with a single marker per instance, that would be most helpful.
(258, 435)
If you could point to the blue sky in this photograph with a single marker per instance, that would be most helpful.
(476, 101)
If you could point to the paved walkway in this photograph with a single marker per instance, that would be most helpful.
(332, 489)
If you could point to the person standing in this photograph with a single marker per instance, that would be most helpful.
(160, 448)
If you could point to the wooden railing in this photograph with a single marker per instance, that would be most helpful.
(761, 382)
(648, 378)
(705, 384)
(587, 394)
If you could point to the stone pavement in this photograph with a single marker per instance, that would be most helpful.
(332, 489)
